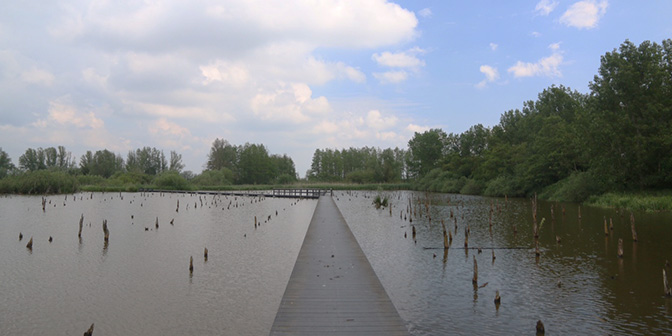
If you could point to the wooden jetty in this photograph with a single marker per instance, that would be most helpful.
(313, 193)
(333, 289)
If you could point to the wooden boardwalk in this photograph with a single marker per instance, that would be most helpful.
(333, 289)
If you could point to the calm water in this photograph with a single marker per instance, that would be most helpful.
(140, 283)
(578, 286)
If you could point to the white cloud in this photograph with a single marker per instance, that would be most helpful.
(491, 75)
(493, 46)
(66, 114)
(407, 60)
(351, 73)
(375, 120)
(425, 12)
(417, 128)
(170, 72)
(535, 34)
(38, 76)
(290, 103)
(584, 14)
(235, 75)
(391, 77)
(404, 59)
(548, 66)
(545, 7)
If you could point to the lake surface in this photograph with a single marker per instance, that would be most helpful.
(577, 286)
(140, 284)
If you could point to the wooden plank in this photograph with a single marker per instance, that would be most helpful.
(333, 289)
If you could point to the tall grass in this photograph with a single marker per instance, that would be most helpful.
(39, 182)
(660, 201)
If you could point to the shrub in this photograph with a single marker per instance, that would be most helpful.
(170, 180)
(472, 187)
(219, 177)
(40, 182)
(575, 188)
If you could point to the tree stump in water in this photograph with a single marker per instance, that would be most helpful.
(90, 331)
(474, 280)
(540, 328)
(106, 231)
(81, 224)
(620, 248)
(30, 244)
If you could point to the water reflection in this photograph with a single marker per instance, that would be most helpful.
(577, 277)
(139, 283)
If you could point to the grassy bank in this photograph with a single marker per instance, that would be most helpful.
(640, 201)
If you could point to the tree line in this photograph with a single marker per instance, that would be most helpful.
(358, 165)
(38, 168)
(566, 145)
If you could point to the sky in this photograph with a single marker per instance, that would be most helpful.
(294, 75)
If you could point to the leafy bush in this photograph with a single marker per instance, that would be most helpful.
(472, 187)
(40, 182)
(503, 186)
(575, 188)
(218, 177)
(285, 179)
(170, 180)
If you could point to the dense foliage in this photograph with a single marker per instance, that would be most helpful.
(249, 164)
(358, 165)
(567, 145)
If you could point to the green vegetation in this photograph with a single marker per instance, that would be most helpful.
(379, 201)
(358, 165)
(566, 145)
(39, 182)
(611, 146)
(642, 201)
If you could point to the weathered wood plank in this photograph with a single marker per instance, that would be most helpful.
(333, 289)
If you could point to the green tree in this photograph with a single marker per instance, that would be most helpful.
(222, 155)
(6, 165)
(426, 149)
(631, 115)
(175, 162)
(254, 165)
(32, 160)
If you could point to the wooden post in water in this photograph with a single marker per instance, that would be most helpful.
(205, 254)
(540, 328)
(632, 227)
(30, 244)
(106, 231)
(156, 224)
(666, 286)
(620, 248)
(606, 229)
(81, 224)
(191, 265)
(474, 280)
(90, 331)
(446, 245)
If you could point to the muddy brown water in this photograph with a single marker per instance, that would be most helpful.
(577, 287)
(140, 283)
